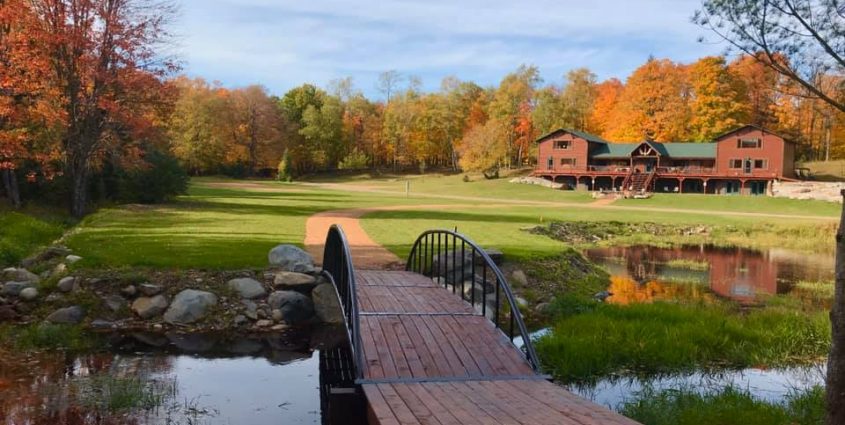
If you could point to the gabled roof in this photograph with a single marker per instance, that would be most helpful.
(586, 136)
(756, 127)
(673, 150)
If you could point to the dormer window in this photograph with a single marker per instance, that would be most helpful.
(562, 144)
(749, 144)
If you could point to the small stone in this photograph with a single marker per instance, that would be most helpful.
(149, 289)
(276, 314)
(54, 297)
(7, 313)
(59, 270)
(263, 323)
(295, 307)
(519, 277)
(240, 320)
(279, 327)
(70, 259)
(251, 309)
(158, 326)
(67, 284)
(29, 294)
(294, 281)
(326, 304)
(114, 302)
(189, 306)
(291, 258)
(93, 280)
(20, 275)
(247, 287)
(101, 324)
(129, 291)
(149, 307)
(13, 289)
(67, 315)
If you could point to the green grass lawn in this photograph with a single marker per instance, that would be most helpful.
(746, 204)
(23, 232)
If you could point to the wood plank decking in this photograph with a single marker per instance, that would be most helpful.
(429, 360)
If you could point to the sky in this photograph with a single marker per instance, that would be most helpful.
(285, 43)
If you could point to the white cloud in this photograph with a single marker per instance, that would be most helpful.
(282, 44)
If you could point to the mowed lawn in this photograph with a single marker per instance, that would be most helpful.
(234, 227)
(209, 228)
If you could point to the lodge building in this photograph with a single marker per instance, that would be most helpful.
(742, 161)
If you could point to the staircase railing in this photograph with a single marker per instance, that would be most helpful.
(460, 265)
(338, 269)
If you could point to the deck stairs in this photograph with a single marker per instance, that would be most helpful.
(638, 183)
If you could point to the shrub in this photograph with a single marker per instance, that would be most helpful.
(284, 169)
(162, 179)
(356, 160)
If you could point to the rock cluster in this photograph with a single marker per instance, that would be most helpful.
(290, 293)
(823, 191)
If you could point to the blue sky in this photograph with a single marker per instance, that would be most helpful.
(282, 44)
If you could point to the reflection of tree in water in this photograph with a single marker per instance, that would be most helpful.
(628, 291)
(56, 388)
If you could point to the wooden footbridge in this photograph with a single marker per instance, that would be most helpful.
(434, 344)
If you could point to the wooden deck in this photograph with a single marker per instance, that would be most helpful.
(428, 359)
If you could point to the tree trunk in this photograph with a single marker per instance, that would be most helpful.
(836, 359)
(10, 185)
(79, 187)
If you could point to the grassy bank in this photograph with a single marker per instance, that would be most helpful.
(826, 170)
(23, 232)
(591, 340)
(730, 406)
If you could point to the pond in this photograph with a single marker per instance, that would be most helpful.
(771, 385)
(177, 379)
(643, 273)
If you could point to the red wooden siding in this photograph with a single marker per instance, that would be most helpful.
(577, 151)
(771, 150)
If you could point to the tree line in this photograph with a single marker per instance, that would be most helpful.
(93, 108)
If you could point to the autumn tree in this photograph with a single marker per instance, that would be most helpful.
(105, 67)
(484, 148)
(511, 107)
(718, 99)
(654, 104)
(607, 97)
(197, 128)
(255, 126)
(578, 97)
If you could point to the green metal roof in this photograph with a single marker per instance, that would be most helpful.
(586, 136)
(670, 149)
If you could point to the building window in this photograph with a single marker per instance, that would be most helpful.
(567, 162)
(749, 143)
(761, 164)
(735, 163)
(562, 144)
(550, 163)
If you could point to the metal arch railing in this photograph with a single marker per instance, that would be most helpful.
(338, 269)
(451, 258)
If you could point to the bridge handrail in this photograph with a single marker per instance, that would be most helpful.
(429, 252)
(338, 268)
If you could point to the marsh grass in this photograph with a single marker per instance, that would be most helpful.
(45, 336)
(112, 394)
(591, 340)
(688, 264)
(729, 406)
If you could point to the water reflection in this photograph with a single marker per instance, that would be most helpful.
(640, 272)
(172, 379)
(771, 385)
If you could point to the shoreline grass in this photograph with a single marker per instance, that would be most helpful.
(23, 232)
(729, 406)
(591, 340)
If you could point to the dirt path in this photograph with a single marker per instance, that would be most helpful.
(366, 253)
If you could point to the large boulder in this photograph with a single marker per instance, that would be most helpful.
(294, 281)
(29, 294)
(326, 304)
(149, 307)
(247, 287)
(291, 258)
(68, 315)
(189, 306)
(67, 284)
(13, 289)
(295, 307)
(20, 275)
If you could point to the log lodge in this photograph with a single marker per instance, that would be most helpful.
(742, 161)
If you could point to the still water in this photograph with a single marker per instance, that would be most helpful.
(743, 275)
(171, 379)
